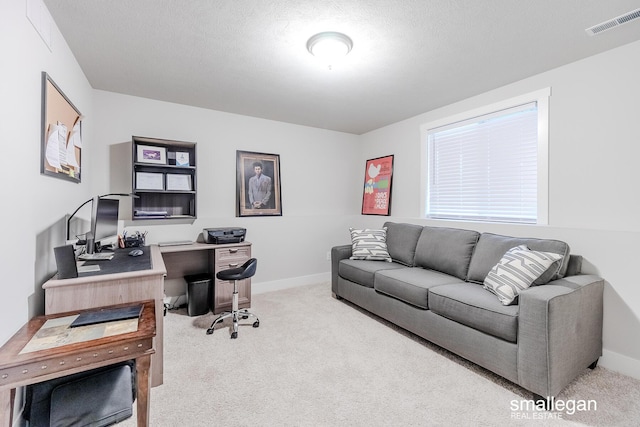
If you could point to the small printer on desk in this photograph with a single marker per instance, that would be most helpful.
(224, 235)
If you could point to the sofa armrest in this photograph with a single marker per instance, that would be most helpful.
(575, 265)
(338, 253)
(559, 332)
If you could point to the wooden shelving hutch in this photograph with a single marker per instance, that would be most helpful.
(163, 178)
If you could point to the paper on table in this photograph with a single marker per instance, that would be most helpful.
(62, 143)
(53, 147)
(76, 137)
(71, 155)
(74, 141)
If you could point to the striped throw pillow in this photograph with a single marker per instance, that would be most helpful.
(369, 244)
(516, 271)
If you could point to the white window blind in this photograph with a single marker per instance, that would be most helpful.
(485, 168)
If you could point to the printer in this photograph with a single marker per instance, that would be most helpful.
(224, 235)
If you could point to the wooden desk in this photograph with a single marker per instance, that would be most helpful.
(183, 260)
(116, 288)
(28, 368)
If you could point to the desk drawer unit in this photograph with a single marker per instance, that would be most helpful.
(226, 258)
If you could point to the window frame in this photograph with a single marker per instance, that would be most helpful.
(541, 97)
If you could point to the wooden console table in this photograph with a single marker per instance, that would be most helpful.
(116, 285)
(20, 369)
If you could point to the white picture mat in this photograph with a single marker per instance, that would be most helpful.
(149, 181)
(178, 182)
(152, 154)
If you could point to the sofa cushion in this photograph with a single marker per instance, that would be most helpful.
(402, 240)
(446, 249)
(471, 305)
(516, 271)
(491, 248)
(410, 285)
(369, 244)
(362, 272)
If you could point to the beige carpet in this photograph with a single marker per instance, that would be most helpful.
(317, 361)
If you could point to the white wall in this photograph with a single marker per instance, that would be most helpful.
(594, 202)
(33, 205)
(314, 165)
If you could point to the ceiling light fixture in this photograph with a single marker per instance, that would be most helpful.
(329, 47)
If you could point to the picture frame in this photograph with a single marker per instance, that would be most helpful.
(151, 154)
(182, 158)
(149, 181)
(178, 182)
(258, 187)
(376, 193)
(61, 134)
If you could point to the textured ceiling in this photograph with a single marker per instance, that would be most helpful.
(249, 56)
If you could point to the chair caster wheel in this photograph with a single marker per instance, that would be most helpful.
(244, 317)
(209, 331)
(234, 335)
(256, 324)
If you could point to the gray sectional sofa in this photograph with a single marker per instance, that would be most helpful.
(434, 288)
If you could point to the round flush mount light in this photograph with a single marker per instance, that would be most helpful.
(329, 46)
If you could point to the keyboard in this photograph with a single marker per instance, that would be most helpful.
(98, 256)
(175, 243)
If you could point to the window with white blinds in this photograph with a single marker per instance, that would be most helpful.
(486, 168)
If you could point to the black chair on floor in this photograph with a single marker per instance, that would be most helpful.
(245, 271)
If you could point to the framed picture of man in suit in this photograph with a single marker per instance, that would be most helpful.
(258, 184)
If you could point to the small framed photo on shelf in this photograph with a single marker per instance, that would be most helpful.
(152, 154)
(182, 158)
(179, 182)
(149, 181)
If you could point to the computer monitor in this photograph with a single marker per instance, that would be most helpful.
(104, 222)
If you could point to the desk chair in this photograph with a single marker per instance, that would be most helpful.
(245, 271)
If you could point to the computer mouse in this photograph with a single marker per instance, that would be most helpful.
(136, 252)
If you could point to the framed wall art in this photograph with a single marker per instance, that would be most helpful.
(61, 134)
(258, 184)
(376, 195)
(151, 154)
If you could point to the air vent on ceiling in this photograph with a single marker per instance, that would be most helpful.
(612, 23)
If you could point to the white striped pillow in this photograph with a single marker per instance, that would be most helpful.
(516, 271)
(369, 244)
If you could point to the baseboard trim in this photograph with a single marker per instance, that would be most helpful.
(276, 285)
(620, 363)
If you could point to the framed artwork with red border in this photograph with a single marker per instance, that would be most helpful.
(376, 195)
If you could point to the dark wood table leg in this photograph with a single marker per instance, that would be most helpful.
(144, 385)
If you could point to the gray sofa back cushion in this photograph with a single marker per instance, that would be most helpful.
(491, 247)
(402, 240)
(446, 249)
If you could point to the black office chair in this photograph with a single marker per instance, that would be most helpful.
(245, 271)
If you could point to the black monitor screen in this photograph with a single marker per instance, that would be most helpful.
(105, 221)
